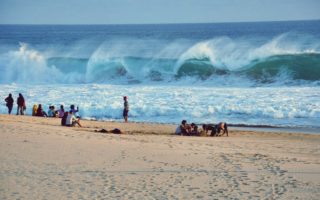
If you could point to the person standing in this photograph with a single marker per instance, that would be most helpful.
(126, 108)
(9, 103)
(21, 104)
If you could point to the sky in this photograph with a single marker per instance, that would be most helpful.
(154, 11)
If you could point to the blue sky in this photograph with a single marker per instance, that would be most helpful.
(154, 11)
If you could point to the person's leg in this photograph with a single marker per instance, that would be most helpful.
(9, 109)
(125, 115)
(226, 129)
(17, 110)
(20, 110)
(78, 122)
(213, 131)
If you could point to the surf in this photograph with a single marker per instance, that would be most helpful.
(279, 60)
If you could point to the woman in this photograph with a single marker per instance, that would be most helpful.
(21, 105)
(9, 103)
(61, 111)
(40, 112)
(34, 110)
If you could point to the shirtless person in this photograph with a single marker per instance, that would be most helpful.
(222, 126)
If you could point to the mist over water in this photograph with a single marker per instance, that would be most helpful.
(201, 72)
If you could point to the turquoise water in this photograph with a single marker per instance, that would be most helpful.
(243, 73)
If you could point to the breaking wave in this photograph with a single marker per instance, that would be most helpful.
(283, 59)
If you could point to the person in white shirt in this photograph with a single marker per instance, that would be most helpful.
(72, 120)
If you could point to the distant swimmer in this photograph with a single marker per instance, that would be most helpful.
(125, 109)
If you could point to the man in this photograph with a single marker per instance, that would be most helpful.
(125, 109)
(72, 120)
(183, 128)
(9, 103)
(21, 105)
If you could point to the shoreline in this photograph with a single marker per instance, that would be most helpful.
(233, 127)
(238, 127)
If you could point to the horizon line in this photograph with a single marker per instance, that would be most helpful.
(166, 23)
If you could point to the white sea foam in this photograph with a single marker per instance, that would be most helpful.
(286, 106)
(128, 60)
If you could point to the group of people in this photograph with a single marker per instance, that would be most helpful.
(69, 118)
(21, 104)
(208, 129)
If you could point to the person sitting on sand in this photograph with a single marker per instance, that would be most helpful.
(40, 112)
(209, 127)
(74, 111)
(194, 130)
(72, 120)
(51, 111)
(183, 128)
(222, 126)
(34, 110)
(9, 103)
(61, 111)
(64, 118)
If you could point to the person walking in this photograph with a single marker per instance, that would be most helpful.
(9, 103)
(21, 105)
(126, 108)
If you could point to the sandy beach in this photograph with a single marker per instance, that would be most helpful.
(42, 160)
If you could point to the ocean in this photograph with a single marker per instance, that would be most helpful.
(252, 74)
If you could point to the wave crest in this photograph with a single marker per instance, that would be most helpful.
(285, 58)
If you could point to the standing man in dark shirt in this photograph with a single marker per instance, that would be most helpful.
(9, 103)
(21, 105)
(126, 108)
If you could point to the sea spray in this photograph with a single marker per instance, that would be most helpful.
(206, 61)
(241, 73)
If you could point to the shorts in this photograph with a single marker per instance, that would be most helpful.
(125, 113)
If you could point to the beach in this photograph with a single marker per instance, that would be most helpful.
(42, 160)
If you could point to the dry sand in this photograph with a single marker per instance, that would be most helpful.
(42, 160)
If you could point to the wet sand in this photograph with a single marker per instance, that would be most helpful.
(42, 160)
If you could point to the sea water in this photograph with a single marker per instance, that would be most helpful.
(263, 73)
